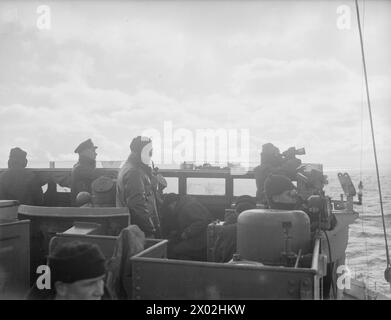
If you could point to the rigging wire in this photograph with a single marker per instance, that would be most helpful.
(361, 159)
(387, 271)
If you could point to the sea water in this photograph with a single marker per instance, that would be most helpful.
(365, 254)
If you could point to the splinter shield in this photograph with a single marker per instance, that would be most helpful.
(156, 277)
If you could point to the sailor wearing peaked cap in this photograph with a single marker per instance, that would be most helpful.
(84, 171)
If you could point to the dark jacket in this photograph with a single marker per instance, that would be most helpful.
(119, 278)
(83, 173)
(261, 172)
(186, 228)
(21, 184)
(135, 191)
(225, 245)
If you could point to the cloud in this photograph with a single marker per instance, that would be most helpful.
(273, 77)
(109, 71)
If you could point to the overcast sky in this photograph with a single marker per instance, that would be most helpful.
(109, 70)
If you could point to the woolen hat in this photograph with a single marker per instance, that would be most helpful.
(17, 153)
(75, 261)
(276, 184)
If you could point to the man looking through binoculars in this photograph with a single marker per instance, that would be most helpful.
(274, 162)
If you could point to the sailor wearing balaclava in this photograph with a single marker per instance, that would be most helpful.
(135, 187)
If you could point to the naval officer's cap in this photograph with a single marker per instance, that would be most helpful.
(88, 144)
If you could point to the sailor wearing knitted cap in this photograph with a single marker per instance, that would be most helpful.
(18, 157)
(19, 183)
(280, 192)
(272, 162)
(135, 189)
(77, 272)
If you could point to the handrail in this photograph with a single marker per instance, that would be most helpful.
(181, 174)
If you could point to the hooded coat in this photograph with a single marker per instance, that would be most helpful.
(136, 191)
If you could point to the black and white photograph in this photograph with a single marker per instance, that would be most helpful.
(195, 155)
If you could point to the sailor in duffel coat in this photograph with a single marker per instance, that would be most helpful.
(135, 189)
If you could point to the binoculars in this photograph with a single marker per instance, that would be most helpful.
(292, 151)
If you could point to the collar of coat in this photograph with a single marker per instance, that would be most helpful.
(86, 162)
(135, 160)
